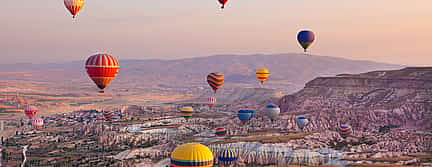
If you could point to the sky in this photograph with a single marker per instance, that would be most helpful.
(41, 31)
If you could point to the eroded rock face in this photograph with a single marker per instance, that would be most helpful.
(367, 101)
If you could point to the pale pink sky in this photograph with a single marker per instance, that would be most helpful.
(393, 31)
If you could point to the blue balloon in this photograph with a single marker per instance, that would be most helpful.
(305, 38)
(245, 115)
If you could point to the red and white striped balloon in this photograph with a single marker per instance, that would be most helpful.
(38, 123)
(74, 6)
(102, 68)
(211, 101)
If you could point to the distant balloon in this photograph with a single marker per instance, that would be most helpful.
(245, 115)
(305, 38)
(30, 111)
(38, 123)
(301, 121)
(221, 132)
(272, 111)
(186, 112)
(74, 6)
(192, 154)
(108, 115)
(215, 80)
(211, 101)
(102, 68)
(344, 130)
(223, 2)
(227, 157)
(262, 74)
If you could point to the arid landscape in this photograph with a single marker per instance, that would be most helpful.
(388, 109)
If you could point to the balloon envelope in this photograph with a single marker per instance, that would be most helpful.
(301, 121)
(305, 38)
(74, 6)
(30, 111)
(227, 156)
(344, 130)
(38, 123)
(262, 74)
(102, 68)
(245, 115)
(215, 80)
(192, 154)
(221, 132)
(186, 112)
(272, 111)
(223, 2)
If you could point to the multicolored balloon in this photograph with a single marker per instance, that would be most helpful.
(186, 112)
(215, 80)
(305, 38)
(74, 6)
(262, 74)
(344, 130)
(272, 111)
(223, 2)
(245, 115)
(38, 123)
(102, 68)
(192, 154)
(227, 157)
(108, 115)
(221, 132)
(301, 121)
(211, 101)
(30, 111)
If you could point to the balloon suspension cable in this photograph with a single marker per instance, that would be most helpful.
(223, 6)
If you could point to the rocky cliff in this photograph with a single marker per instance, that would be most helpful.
(368, 101)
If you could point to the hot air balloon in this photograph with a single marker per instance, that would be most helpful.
(186, 112)
(192, 154)
(221, 132)
(30, 111)
(227, 157)
(108, 115)
(215, 80)
(272, 111)
(38, 123)
(305, 38)
(245, 115)
(301, 121)
(344, 130)
(262, 74)
(223, 2)
(211, 101)
(102, 68)
(74, 6)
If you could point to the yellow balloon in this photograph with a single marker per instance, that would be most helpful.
(192, 154)
(262, 74)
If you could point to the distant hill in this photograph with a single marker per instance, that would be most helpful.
(288, 71)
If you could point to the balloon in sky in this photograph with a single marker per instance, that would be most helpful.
(272, 111)
(74, 6)
(38, 123)
(102, 68)
(227, 157)
(245, 115)
(301, 121)
(30, 111)
(221, 132)
(223, 2)
(211, 101)
(344, 130)
(215, 80)
(262, 74)
(186, 112)
(192, 154)
(305, 38)
(108, 115)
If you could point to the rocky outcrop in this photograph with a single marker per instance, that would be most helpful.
(367, 101)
